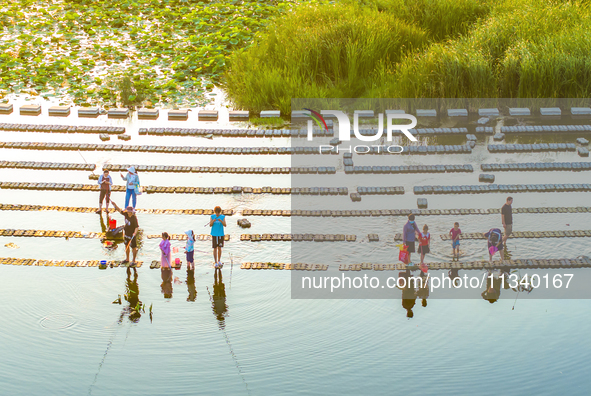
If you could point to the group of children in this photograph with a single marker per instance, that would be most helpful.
(217, 222)
(411, 233)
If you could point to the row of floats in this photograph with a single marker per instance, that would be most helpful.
(501, 188)
(583, 262)
(310, 213)
(180, 190)
(537, 166)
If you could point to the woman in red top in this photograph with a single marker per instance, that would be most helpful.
(424, 241)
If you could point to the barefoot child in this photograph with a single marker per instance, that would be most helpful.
(217, 224)
(190, 249)
(424, 241)
(455, 240)
(165, 256)
(494, 243)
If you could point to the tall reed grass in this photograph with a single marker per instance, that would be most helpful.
(418, 49)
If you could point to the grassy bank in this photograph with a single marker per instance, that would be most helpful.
(418, 48)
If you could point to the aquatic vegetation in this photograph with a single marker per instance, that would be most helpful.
(417, 49)
(125, 52)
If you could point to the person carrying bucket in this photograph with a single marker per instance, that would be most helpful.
(409, 232)
(133, 186)
(494, 242)
(105, 182)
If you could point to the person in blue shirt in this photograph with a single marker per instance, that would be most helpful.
(409, 233)
(133, 186)
(217, 224)
(190, 249)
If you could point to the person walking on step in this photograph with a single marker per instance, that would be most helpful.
(105, 182)
(409, 232)
(507, 218)
(130, 231)
(217, 223)
(133, 186)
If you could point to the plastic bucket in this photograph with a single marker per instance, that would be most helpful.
(112, 224)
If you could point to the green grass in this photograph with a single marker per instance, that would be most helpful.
(268, 121)
(417, 49)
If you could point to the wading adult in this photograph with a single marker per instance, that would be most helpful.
(507, 218)
(105, 182)
(130, 231)
(133, 186)
(409, 235)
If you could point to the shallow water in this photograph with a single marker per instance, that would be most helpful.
(61, 334)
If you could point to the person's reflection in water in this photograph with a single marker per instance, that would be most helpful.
(423, 292)
(191, 285)
(409, 295)
(493, 288)
(219, 298)
(132, 296)
(166, 285)
(112, 237)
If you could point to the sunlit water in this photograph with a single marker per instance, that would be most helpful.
(61, 334)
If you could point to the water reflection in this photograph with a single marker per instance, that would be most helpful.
(113, 236)
(409, 294)
(132, 296)
(219, 306)
(166, 285)
(191, 285)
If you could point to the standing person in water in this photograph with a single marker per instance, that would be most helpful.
(105, 182)
(424, 241)
(165, 254)
(455, 233)
(130, 231)
(408, 235)
(133, 186)
(507, 218)
(217, 223)
(190, 250)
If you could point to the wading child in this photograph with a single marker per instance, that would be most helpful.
(190, 249)
(165, 256)
(217, 224)
(424, 241)
(455, 240)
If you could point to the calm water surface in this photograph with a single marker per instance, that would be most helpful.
(62, 335)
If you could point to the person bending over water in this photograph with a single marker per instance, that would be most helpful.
(130, 231)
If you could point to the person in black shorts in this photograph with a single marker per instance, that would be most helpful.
(507, 218)
(130, 231)
(494, 240)
(217, 222)
(105, 182)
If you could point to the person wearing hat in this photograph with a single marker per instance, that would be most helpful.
(133, 186)
(130, 231)
(190, 250)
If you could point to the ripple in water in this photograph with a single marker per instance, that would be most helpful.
(58, 321)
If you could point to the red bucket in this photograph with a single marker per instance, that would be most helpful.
(112, 224)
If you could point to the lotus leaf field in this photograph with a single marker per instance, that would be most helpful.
(124, 52)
